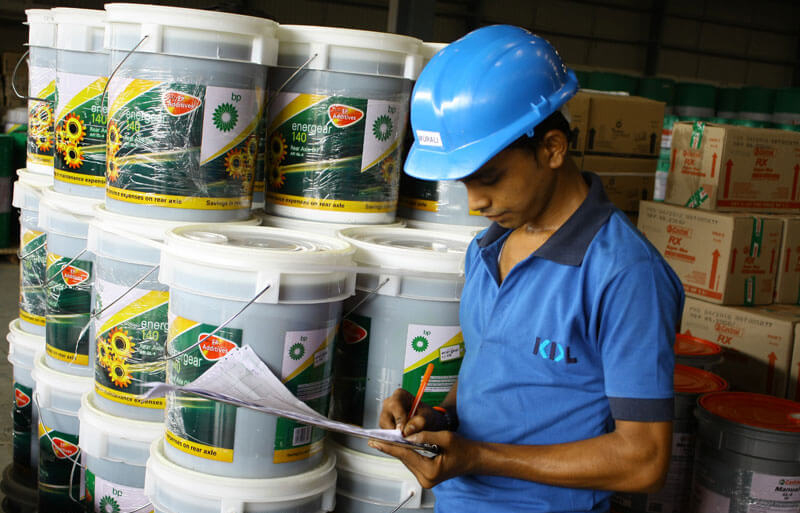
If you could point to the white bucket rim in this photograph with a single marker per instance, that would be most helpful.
(354, 38)
(20, 340)
(34, 179)
(99, 429)
(41, 28)
(51, 382)
(430, 49)
(76, 16)
(470, 229)
(241, 490)
(381, 467)
(54, 207)
(371, 253)
(315, 226)
(183, 17)
(28, 189)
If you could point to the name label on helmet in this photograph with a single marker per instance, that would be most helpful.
(425, 138)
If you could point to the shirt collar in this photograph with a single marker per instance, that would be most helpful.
(569, 243)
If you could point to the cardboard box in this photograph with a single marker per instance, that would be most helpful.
(787, 281)
(757, 343)
(791, 313)
(578, 107)
(733, 168)
(627, 181)
(728, 259)
(625, 126)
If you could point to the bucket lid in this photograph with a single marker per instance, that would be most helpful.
(695, 94)
(608, 81)
(167, 27)
(727, 99)
(115, 438)
(166, 478)
(787, 100)
(58, 390)
(428, 50)
(760, 100)
(754, 410)
(351, 44)
(687, 345)
(79, 29)
(330, 229)
(659, 89)
(254, 257)
(407, 248)
(41, 28)
(690, 380)
(22, 346)
(28, 189)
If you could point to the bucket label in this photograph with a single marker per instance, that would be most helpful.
(22, 418)
(130, 343)
(350, 372)
(107, 497)
(260, 181)
(419, 194)
(41, 136)
(774, 493)
(202, 428)
(69, 290)
(335, 153)
(306, 372)
(180, 145)
(60, 471)
(33, 265)
(80, 130)
(441, 345)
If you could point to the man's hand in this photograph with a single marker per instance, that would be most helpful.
(394, 415)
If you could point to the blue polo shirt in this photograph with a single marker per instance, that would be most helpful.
(578, 334)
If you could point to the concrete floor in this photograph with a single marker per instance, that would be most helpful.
(9, 310)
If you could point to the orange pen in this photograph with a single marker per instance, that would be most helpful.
(422, 385)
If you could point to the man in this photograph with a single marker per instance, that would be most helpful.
(568, 313)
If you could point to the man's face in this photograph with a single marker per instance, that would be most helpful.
(512, 189)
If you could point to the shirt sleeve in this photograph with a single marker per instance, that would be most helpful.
(639, 315)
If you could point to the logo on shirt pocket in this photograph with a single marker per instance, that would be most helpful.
(553, 351)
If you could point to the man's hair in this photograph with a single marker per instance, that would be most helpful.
(555, 121)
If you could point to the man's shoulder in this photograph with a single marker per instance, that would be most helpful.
(618, 244)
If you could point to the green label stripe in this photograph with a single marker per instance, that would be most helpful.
(697, 198)
(350, 369)
(749, 291)
(155, 140)
(80, 130)
(68, 304)
(201, 421)
(22, 415)
(33, 265)
(757, 236)
(442, 346)
(58, 453)
(317, 150)
(696, 137)
(41, 134)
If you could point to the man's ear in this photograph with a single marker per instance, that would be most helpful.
(554, 145)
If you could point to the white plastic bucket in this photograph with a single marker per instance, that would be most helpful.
(127, 347)
(376, 484)
(33, 249)
(58, 396)
(406, 316)
(65, 219)
(336, 131)
(330, 229)
(175, 489)
(435, 202)
(212, 272)
(41, 84)
(80, 113)
(22, 349)
(184, 110)
(115, 451)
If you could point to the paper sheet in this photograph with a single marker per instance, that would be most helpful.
(242, 379)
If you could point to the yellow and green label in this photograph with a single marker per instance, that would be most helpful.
(130, 341)
(33, 264)
(80, 130)
(306, 372)
(196, 426)
(69, 291)
(260, 181)
(22, 419)
(335, 153)
(182, 145)
(104, 496)
(41, 136)
(60, 472)
(350, 369)
(443, 346)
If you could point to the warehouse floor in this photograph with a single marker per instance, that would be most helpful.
(9, 297)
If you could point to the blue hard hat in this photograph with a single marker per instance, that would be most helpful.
(478, 95)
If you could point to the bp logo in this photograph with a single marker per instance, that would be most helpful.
(297, 351)
(225, 117)
(419, 344)
(109, 505)
(382, 128)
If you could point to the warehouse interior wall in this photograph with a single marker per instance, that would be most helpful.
(729, 42)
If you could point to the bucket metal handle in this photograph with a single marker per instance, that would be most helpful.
(405, 501)
(14, 81)
(105, 89)
(291, 77)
